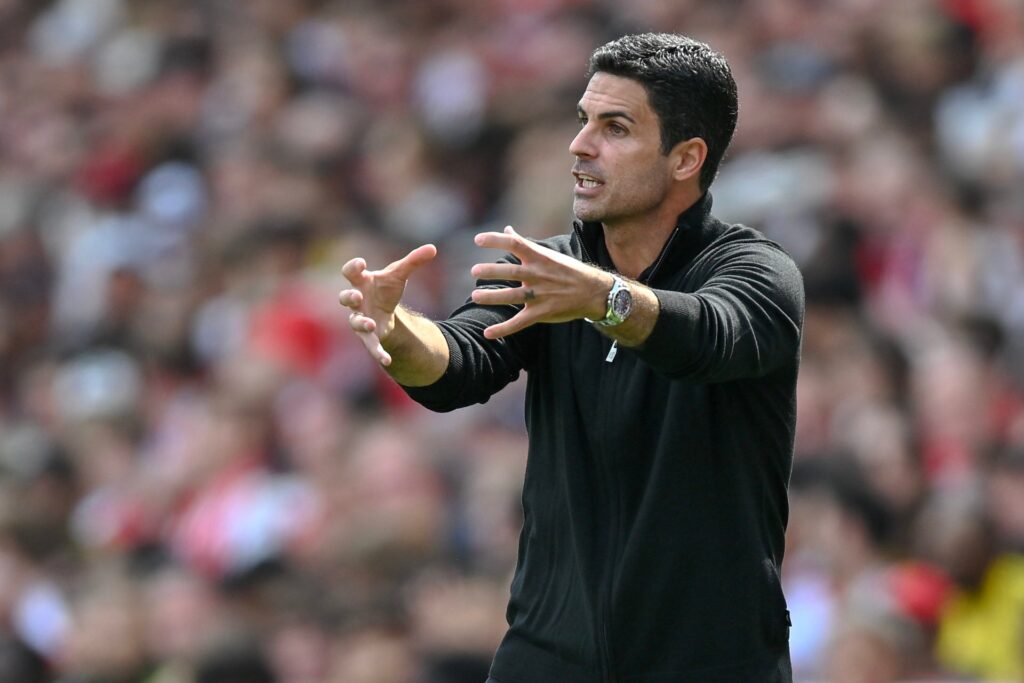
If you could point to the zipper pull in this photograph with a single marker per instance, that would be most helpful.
(611, 352)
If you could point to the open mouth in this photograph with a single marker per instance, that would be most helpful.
(587, 181)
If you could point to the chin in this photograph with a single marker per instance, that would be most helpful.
(587, 212)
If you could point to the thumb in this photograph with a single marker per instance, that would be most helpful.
(416, 258)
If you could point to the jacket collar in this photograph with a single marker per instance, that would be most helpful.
(695, 229)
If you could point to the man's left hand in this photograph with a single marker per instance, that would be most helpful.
(554, 288)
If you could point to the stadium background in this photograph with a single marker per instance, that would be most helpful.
(201, 473)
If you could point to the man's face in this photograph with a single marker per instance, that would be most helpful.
(620, 171)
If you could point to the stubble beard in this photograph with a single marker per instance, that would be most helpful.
(585, 211)
(633, 202)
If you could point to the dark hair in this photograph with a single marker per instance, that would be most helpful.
(689, 85)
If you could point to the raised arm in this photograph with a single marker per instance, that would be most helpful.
(408, 346)
(744, 321)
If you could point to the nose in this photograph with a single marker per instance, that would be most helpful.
(582, 145)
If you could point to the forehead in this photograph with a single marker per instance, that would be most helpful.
(606, 92)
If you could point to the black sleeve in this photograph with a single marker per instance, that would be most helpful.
(478, 367)
(744, 321)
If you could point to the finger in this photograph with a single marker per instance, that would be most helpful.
(352, 298)
(361, 323)
(503, 295)
(498, 271)
(353, 271)
(416, 258)
(519, 321)
(508, 240)
(375, 348)
(366, 329)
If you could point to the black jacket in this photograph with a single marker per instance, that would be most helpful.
(655, 494)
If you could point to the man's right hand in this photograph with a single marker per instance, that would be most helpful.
(374, 296)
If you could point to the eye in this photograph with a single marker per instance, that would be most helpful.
(617, 129)
(582, 121)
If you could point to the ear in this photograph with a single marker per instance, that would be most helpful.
(687, 158)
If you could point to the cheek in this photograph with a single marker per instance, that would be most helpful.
(643, 176)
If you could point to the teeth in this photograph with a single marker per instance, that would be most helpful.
(587, 182)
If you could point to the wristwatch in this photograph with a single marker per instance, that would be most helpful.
(620, 305)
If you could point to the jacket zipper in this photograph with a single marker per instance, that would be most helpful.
(583, 246)
(661, 257)
(587, 258)
(604, 598)
(604, 594)
(607, 581)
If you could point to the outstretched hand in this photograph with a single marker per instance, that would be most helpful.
(375, 294)
(553, 287)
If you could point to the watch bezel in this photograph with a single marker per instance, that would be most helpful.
(622, 303)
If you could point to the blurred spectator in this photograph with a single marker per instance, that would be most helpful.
(234, 662)
(373, 656)
(980, 632)
(837, 530)
(106, 640)
(203, 481)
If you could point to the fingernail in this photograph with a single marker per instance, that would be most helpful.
(508, 228)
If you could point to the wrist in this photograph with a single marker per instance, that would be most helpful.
(597, 306)
(391, 335)
(618, 304)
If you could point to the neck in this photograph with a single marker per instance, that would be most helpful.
(633, 243)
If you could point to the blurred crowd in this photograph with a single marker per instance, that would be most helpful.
(204, 479)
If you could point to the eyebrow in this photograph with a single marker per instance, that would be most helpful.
(606, 115)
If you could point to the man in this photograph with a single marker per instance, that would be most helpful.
(661, 347)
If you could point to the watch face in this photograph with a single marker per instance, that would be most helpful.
(622, 303)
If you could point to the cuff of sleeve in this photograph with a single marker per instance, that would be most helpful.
(447, 385)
